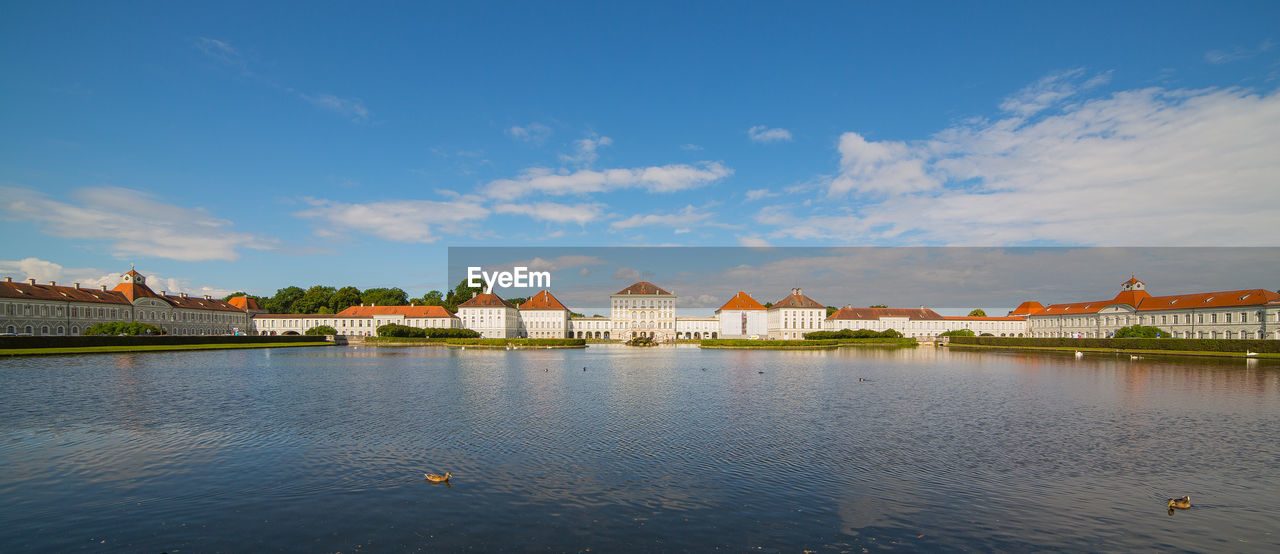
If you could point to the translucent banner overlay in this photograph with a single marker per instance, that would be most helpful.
(949, 280)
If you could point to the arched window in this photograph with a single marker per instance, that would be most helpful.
(28, 330)
(75, 330)
(62, 330)
(44, 330)
(12, 329)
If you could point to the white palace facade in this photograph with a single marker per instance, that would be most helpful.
(28, 308)
(640, 310)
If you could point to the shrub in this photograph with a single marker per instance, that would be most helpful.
(123, 328)
(957, 333)
(394, 330)
(321, 330)
(1141, 332)
(851, 334)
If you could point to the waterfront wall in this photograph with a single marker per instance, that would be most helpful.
(139, 340)
(1187, 345)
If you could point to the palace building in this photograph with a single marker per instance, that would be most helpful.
(32, 309)
(360, 321)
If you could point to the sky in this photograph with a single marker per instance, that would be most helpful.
(252, 146)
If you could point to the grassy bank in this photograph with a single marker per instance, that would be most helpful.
(149, 348)
(519, 343)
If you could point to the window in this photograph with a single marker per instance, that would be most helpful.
(1213, 318)
(1228, 319)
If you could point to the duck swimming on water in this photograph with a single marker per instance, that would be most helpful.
(434, 478)
(1180, 503)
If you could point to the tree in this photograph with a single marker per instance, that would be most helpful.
(344, 298)
(393, 296)
(956, 333)
(123, 328)
(831, 310)
(1140, 332)
(432, 298)
(978, 313)
(517, 300)
(283, 301)
(768, 304)
(233, 295)
(321, 330)
(315, 299)
(460, 294)
(878, 306)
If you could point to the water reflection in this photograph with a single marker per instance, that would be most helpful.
(651, 449)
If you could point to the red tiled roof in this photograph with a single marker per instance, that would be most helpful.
(244, 303)
(12, 289)
(797, 301)
(643, 287)
(984, 318)
(406, 311)
(1247, 297)
(485, 300)
(742, 301)
(1132, 279)
(543, 301)
(1027, 308)
(877, 313)
(135, 290)
(124, 293)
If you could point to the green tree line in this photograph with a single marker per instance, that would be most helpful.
(321, 299)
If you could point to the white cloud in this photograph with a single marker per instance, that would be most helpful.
(756, 194)
(220, 51)
(667, 178)
(533, 133)
(690, 147)
(584, 150)
(880, 167)
(398, 220)
(553, 212)
(1238, 53)
(627, 274)
(1051, 90)
(1138, 167)
(753, 241)
(700, 301)
(134, 223)
(687, 217)
(761, 133)
(350, 107)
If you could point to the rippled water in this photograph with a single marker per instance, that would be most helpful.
(323, 449)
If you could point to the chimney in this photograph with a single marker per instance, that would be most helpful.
(164, 293)
(206, 297)
(183, 294)
(104, 287)
(53, 283)
(77, 285)
(8, 279)
(922, 306)
(31, 281)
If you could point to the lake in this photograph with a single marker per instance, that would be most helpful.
(657, 449)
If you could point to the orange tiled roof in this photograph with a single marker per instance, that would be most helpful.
(543, 301)
(643, 287)
(1247, 297)
(244, 303)
(984, 318)
(797, 301)
(877, 313)
(406, 311)
(485, 300)
(742, 301)
(1027, 308)
(124, 293)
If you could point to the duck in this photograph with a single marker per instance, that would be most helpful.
(1180, 503)
(434, 478)
(1250, 353)
(1134, 357)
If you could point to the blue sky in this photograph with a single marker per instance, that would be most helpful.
(241, 147)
